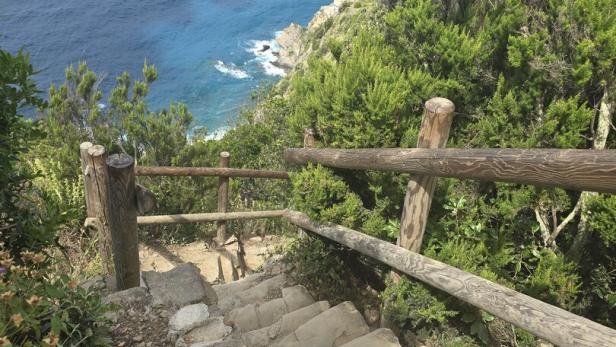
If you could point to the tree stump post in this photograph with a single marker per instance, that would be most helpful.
(223, 199)
(433, 133)
(123, 219)
(308, 138)
(95, 182)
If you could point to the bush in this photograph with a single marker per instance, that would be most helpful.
(39, 308)
(325, 197)
(410, 305)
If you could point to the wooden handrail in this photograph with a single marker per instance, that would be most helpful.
(575, 169)
(546, 321)
(207, 217)
(208, 171)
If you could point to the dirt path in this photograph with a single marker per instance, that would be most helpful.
(163, 258)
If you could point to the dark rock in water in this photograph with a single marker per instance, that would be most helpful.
(265, 48)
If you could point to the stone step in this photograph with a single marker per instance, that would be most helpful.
(334, 327)
(259, 315)
(212, 330)
(227, 290)
(286, 325)
(267, 289)
(380, 337)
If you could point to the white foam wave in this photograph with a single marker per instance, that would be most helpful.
(265, 54)
(217, 134)
(273, 70)
(231, 69)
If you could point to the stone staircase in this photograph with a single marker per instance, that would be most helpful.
(262, 309)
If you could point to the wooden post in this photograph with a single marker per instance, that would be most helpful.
(433, 133)
(308, 138)
(123, 219)
(223, 199)
(95, 182)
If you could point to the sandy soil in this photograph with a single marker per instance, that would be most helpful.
(163, 258)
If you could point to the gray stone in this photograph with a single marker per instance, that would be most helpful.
(213, 330)
(128, 296)
(232, 288)
(178, 287)
(380, 337)
(269, 288)
(287, 324)
(188, 318)
(224, 343)
(334, 327)
(296, 297)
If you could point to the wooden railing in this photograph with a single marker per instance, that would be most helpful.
(113, 202)
(571, 169)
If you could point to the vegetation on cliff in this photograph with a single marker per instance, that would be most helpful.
(522, 74)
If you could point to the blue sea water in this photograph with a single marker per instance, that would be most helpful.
(206, 52)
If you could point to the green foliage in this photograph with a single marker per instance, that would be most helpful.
(38, 308)
(361, 101)
(319, 267)
(410, 305)
(325, 197)
(21, 226)
(553, 280)
(602, 218)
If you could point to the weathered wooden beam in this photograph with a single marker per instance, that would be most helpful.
(223, 199)
(576, 169)
(433, 133)
(146, 200)
(95, 179)
(546, 321)
(123, 219)
(208, 171)
(206, 217)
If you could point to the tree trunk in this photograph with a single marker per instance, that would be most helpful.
(606, 111)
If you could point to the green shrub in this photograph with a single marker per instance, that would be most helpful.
(553, 280)
(325, 197)
(39, 308)
(410, 305)
(320, 268)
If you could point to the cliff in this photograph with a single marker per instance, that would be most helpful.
(331, 22)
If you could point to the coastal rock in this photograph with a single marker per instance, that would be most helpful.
(290, 42)
(326, 12)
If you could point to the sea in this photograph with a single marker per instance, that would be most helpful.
(209, 53)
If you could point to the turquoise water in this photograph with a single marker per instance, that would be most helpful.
(206, 52)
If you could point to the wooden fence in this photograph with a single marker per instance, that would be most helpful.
(113, 201)
(571, 169)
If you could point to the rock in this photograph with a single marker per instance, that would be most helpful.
(296, 297)
(187, 318)
(258, 293)
(290, 42)
(287, 324)
(380, 337)
(129, 296)
(94, 284)
(213, 330)
(334, 327)
(179, 287)
(232, 288)
(325, 12)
